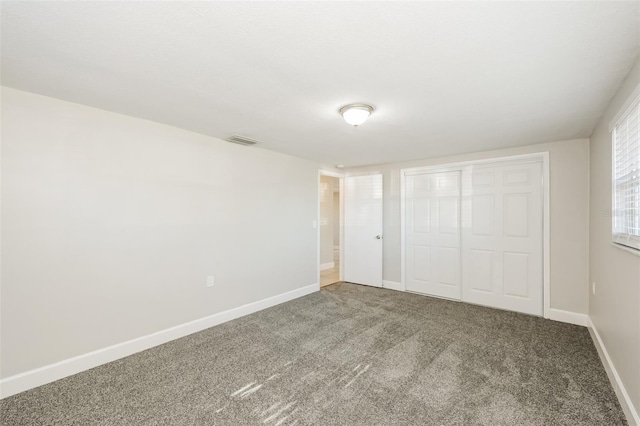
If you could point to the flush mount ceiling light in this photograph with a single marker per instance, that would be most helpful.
(356, 114)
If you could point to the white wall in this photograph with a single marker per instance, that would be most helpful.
(569, 201)
(110, 225)
(615, 308)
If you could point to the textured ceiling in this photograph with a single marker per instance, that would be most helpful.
(445, 77)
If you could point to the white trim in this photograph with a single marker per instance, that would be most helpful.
(546, 238)
(341, 224)
(568, 317)
(626, 248)
(535, 156)
(330, 173)
(47, 374)
(403, 233)
(624, 109)
(448, 167)
(625, 401)
(392, 285)
(364, 173)
(328, 265)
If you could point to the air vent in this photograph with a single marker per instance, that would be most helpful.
(241, 140)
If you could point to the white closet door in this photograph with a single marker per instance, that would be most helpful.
(502, 237)
(432, 239)
(363, 230)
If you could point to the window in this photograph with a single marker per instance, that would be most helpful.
(626, 178)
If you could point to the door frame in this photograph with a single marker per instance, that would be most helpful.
(543, 157)
(340, 177)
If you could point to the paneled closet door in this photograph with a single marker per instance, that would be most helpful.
(432, 239)
(502, 237)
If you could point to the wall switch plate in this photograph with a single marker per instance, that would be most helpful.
(210, 281)
(593, 288)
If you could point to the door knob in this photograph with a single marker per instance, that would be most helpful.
(378, 237)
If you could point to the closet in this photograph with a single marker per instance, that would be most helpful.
(475, 233)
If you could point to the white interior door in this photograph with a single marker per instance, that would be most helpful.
(363, 229)
(502, 236)
(432, 234)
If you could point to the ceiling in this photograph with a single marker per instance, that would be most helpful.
(444, 77)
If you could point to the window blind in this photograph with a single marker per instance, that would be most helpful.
(626, 178)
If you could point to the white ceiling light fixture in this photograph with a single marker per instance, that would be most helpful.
(356, 114)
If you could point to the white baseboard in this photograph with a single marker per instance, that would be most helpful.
(567, 316)
(614, 378)
(392, 285)
(325, 266)
(68, 367)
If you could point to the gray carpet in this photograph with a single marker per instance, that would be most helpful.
(347, 355)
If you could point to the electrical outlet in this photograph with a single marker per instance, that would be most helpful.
(210, 281)
(593, 288)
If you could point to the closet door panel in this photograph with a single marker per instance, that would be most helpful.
(502, 236)
(432, 239)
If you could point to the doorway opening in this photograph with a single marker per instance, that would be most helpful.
(330, 221)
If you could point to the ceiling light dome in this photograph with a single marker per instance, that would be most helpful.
(356, 114)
